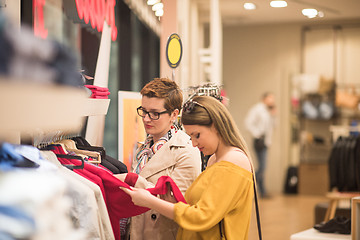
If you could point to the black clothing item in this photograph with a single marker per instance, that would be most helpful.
(114, 165)
(339, 224)
(120, 165)
(344, 164)
(259, 143)
(291, 183)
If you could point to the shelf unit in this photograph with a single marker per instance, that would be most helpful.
(34, 109)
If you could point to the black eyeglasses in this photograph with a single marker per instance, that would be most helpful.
(152, 115)
(189, 106)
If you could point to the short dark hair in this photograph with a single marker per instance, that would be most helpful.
(166, 89)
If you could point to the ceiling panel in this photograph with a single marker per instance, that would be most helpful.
(233, 12)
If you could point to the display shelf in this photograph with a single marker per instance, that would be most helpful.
(32, 107)
(94, 107)
(312, 234)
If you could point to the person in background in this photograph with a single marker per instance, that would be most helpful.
(259, 122)
(167, 151)
(219, 202)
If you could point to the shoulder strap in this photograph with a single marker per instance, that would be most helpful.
(257, 210)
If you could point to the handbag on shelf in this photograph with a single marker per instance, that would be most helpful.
(347, 99)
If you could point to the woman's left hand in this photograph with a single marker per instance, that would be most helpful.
(139, 197)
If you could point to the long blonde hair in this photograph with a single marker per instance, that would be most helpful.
(206, 111)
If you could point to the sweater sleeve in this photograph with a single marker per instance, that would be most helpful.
(221, 195)
(143, 183)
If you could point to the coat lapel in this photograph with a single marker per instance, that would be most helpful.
(163, 158)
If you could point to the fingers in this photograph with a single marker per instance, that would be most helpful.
(127, 191)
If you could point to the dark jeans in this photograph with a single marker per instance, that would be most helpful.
(261, 155)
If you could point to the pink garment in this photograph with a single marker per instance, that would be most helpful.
(96, 88)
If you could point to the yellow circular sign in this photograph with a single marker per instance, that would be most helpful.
(174, 50)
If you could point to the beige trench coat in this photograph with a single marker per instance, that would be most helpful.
(182, 162)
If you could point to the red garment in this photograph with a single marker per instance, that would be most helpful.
(118, 203)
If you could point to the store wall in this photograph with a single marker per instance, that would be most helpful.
(264, 58)
(258, 59)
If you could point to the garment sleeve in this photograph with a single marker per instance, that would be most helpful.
(219, 197)
(143, 183)
(251, 122)
(184, 172)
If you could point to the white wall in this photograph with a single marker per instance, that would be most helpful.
(258, 59)
(263, 58)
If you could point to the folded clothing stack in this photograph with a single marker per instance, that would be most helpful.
(98, 92)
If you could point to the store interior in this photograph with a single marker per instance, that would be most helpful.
(245, 48)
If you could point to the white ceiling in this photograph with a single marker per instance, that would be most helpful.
(233, 13)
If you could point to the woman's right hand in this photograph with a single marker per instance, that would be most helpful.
(139, 197)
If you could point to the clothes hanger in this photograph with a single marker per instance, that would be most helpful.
(71, 146)
(72, 167)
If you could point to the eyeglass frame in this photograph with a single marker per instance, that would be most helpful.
(148, 113)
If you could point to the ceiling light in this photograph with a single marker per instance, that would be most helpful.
(278, 4)
(159, 12)
(309, 12)
(157, 6)
(152, 2)
(249, 6)
(320, 14)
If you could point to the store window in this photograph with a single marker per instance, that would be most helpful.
(135, 48)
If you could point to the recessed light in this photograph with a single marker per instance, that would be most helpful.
(310, 12)
(249, 6)
(159, 12)
(278, 4)
(152, 2)
(157, 6)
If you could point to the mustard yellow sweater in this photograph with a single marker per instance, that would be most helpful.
(223, 191)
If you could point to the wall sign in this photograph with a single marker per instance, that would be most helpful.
(174, 50)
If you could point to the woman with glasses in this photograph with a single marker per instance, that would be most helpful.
(167, 151)
(219, 202)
